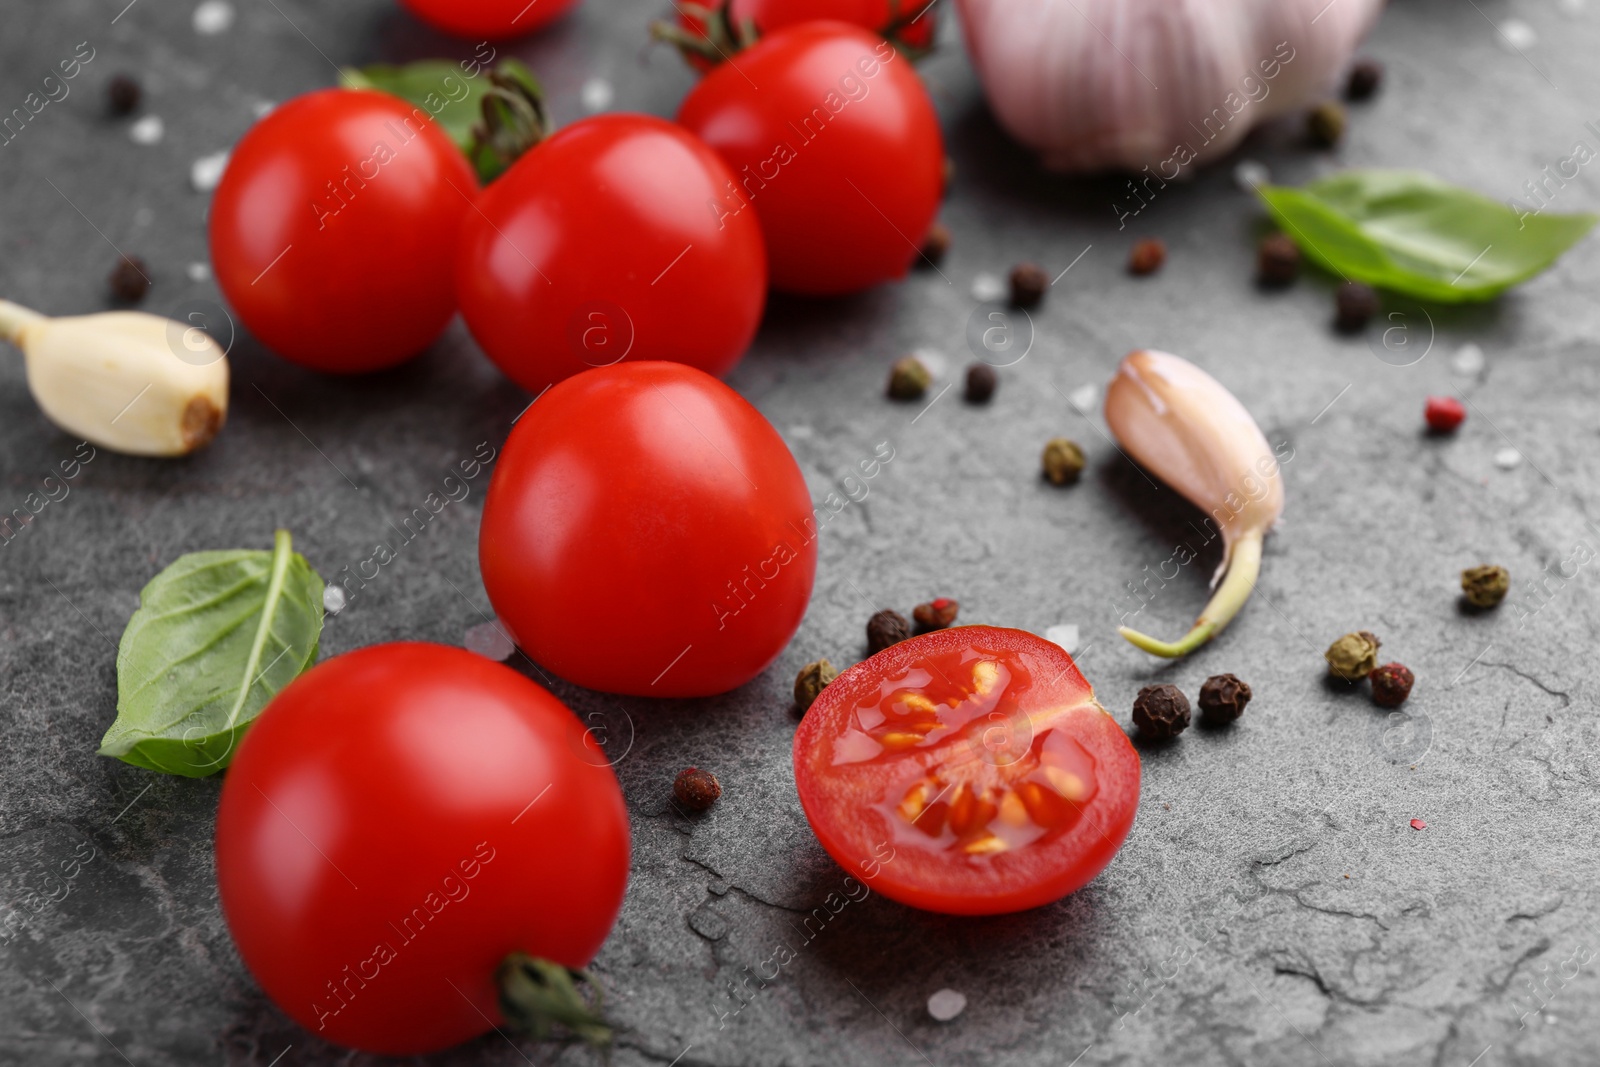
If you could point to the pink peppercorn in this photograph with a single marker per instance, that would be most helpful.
(1444, 414)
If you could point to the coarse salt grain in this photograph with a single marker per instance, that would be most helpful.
(489, 641)
(987, 287)
(1084, 397)
(206, 172)
(147, 131)
(1468, 360)
(333, 599)
(213, 17)
(946, 1005)
(1066, 635)
(1517, 35)
(1508, 459)
(1249, 174)
(597, 94)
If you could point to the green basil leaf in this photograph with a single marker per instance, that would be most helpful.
(216, 636)
(1414, 234)
(443, 90)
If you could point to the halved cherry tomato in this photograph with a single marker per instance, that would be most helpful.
(834, 146)
(492, 19)
(969, 771)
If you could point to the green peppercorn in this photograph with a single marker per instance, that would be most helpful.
(1062, 461)
(1326, 123)
(908, 379)
(812, 680)
(1485, 586)
(1352, 657)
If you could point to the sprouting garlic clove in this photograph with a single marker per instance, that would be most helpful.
(1185, 427)
(117, 380)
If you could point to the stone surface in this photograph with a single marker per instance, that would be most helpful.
(1273, 904)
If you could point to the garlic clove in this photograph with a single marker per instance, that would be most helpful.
(1153, 86)
(1184, 426)
(117, 379)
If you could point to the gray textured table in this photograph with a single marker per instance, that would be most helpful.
(1273, 904)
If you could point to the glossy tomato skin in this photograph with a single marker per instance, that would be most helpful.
(398, 820)
(488, 19)
(604, 243)
(838, 153)
(914, 30)
(333, 228)
(968, 771)
(647, 532)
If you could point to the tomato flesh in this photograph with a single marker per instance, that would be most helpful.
(969, 771)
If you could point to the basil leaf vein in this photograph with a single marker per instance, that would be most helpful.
(1414, 234)
(216, 636)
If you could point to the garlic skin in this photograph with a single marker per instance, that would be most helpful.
(1184, 426)
(1140, 94)
(115, 379)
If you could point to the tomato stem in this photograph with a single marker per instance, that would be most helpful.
(1244, 566)
(719, 39)
(537, 994)
(514, 122)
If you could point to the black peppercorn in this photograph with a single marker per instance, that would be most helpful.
(981, 382)
(695, 789)
(122, 95)
(886, 628)
(1326, 124)
(1222, 699)
(129, 279)
(934, 246)
(1356, 304)
(1028, 283)
(1277, 261)
(1161, 712)
(1391, 684)
(1365, 77)
(1147, 257)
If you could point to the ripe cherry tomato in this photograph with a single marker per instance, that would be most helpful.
(646, 531)
(334, 228)
(397, 821)
(603, 243)
(969, 771)
(837, 152)
(911, 24)
(491, 19)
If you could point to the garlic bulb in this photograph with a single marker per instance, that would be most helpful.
(1182, 425)
(123, 380)
(1103, 84)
